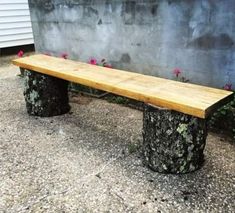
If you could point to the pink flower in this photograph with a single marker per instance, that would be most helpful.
(228, 87)
(64, 55)
(20, 53)
(108, 66)
(177, 72)
(93, 61)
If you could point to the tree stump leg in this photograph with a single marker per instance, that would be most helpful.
(173, 142)
(22, 72)
(45, 96)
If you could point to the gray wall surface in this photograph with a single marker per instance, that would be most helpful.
(151, 37)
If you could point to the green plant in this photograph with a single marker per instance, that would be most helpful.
(224, 118)
(117, 99)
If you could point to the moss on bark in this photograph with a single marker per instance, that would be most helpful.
(45, 96)
(173, 142)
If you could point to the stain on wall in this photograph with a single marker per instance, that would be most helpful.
(151, 37)
(208, 41)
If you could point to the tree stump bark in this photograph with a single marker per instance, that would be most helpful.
(45, 96)
(173, 142)
(22, 72)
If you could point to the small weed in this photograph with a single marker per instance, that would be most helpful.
(132, 148)
(117, 99)
(121, 100)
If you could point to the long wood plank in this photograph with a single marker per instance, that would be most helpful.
(195, 100)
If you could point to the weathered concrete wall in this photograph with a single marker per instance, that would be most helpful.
(151, 36)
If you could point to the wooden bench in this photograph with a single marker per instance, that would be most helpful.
(175, 113)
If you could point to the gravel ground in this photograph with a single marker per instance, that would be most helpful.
(89, 161)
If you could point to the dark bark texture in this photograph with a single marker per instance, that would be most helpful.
(45, 96)
(173, 142)
(22, 71)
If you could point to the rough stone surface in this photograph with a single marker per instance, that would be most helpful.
(81, 162)
(173, 142)
(151, 37)
(45, 95)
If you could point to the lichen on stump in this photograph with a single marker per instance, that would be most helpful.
(173, 142)
(45, 96)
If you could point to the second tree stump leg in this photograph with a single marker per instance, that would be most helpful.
(173, 142)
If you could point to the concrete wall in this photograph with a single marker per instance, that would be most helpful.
(151, 36)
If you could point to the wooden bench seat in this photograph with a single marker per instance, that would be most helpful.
(175, 113)
(187, 98)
